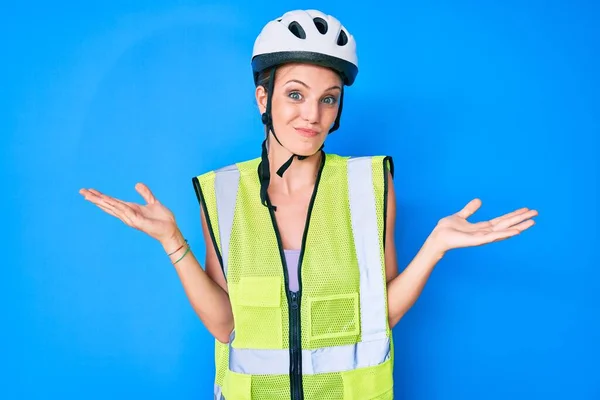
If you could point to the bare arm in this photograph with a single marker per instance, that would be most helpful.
(206, 290)
(451, 232)
(403, 290)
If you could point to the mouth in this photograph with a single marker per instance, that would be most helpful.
(307, 132)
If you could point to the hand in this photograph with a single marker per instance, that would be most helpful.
(153, 218)
(455, 231)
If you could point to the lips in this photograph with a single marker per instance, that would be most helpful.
(307, 132)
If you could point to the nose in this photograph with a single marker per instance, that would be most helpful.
(311, 111)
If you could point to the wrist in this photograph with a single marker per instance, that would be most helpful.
(173, 241)
(433, 247)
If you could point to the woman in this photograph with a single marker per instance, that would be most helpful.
(300, 287)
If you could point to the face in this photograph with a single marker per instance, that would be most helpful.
(304, 105)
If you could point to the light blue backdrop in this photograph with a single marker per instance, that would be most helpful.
(492, 99)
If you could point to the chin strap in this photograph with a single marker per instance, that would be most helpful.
(264, 174)
(264, 171)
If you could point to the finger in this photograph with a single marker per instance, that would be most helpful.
(495, 236)
(524, 225)
(517, 219)
(95, 194)
(469, 209)
(110, 205)
(91, 197)
(109, 211)
(509, 215)
(482, 225)
(146, 193)
(125, 212)
(104, 206)
(105, 196)
(112, 209)
(87, 193)
(490, 223)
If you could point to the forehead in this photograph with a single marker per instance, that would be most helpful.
(312, 75)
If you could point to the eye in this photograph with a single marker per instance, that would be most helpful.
(295, 95)
(330, 100)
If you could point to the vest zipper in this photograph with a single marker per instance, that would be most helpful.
(296, 384)
(296, 392)
(296, 389)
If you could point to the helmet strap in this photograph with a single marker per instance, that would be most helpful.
(267, 120)
(336, 124)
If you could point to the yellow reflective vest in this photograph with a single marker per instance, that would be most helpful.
(331, 339)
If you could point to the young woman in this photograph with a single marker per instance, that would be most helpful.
(300, 286)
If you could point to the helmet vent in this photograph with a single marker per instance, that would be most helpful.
(321, 25)
(297, 30)
(342, 38)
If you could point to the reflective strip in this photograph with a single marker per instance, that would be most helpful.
(226, 187)
(218, 393)
(327, 359)
(373, 313)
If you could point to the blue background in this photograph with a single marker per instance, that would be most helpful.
(489, 99)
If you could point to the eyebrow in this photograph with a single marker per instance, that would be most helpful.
(308, 87)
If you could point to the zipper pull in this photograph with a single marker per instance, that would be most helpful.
(294, 300)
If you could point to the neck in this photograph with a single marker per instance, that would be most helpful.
(300, 175)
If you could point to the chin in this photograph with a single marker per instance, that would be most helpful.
(306, 147)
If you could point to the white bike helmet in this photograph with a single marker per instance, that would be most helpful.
(306, 36)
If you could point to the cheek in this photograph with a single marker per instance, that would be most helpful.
(284, 113)
(289, 112)
(329, 116)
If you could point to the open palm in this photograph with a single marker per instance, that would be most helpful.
(454, 231)
(153, 218)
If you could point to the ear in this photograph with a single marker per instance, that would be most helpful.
(261, 98)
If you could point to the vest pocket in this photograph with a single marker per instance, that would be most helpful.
(237, 386)
(371, 383)
(334, 316)
(256, 303)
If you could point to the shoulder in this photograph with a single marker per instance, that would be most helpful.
(380, 165)
(242, 167)
(204, 182)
